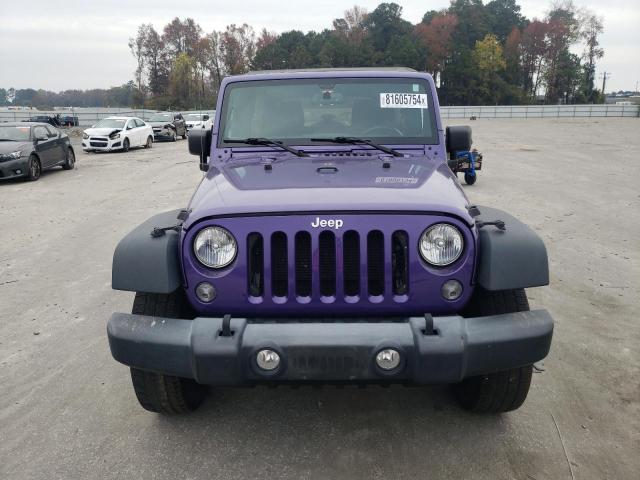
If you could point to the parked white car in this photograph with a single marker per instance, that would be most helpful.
(199, 120)
(117, 133)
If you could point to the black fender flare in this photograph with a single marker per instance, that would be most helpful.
(143, 263)
(513, 258)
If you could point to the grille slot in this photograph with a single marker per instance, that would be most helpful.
(375, 263)
(400, 262)
(351, 266)
(279, 265)
(327, 264)
(255, 264)
(303, 264)
(351, 262)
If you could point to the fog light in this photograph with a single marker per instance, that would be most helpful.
(388, 359)
(18, 172)
(451, 289)
(268, 360)
(206, 292)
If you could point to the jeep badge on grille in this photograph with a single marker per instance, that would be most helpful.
(335, 223)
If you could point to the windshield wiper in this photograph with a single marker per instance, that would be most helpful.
(267, 141)
(359, 141)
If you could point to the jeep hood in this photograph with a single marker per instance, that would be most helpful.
(328, 184)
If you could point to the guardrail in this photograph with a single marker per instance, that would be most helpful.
(86, 117)
(541, 111)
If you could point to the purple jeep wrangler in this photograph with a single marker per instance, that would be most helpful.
(329, 242)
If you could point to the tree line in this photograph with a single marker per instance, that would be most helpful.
(479, 54)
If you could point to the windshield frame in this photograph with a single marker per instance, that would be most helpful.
(431, 109)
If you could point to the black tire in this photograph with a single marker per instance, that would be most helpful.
(500, 391)
(34, 169)
(125, 145)
(174, 136)
(149, 143)
(70, 162)
(470, 179)
(165, 393)
(184, 134)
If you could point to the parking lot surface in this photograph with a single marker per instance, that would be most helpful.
(67, 409)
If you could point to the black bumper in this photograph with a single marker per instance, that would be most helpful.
(330, 352)
(8, 168)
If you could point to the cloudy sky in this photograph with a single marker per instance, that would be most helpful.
(59, 45)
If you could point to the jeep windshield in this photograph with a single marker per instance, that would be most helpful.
(395, 111)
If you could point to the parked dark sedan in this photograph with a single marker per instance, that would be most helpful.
(27, 148)
(168, 126)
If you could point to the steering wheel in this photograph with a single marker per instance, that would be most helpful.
(372, 130)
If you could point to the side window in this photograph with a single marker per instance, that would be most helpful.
(131, 124)
(53, 132)
(139, 123)
(40, 132)
(178, 117)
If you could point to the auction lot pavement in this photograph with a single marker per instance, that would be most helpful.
(67, 409)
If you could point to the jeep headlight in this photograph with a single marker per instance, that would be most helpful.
(215, 247)
(441, 244)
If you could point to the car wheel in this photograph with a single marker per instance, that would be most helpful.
(34, 169)
(149, 143)
(500, 391)
(71, 160)
(125, 145)
(174, 137)
(184, 134)
(470, 179)
(165, 393)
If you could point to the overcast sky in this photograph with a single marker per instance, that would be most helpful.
(59, 45)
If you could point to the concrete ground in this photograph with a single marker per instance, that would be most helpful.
(67, 410)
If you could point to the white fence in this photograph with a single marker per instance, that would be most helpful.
(86, 116)
(89, 116)
(541, 111)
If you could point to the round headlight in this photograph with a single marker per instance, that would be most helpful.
(215, 247)
(441, 244)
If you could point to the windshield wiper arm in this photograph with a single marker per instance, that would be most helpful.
(267, 141)
(359, 141)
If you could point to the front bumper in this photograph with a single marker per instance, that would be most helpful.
(330, 352)
(101, 144)
(10, 168)
(163, 134)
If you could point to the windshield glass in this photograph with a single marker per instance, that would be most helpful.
(195, 117)
(386, 110)
(14, 133)
(110, 123)
(161, 117)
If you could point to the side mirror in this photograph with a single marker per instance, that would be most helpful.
(200, 145)
(41, 138)
(458, 139)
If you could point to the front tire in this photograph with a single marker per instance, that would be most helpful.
(34, 169)
(149, 143)
(156, 392)
(70, 162)
(126, 145)
(174, 136)
(470, 179)
(500, 391)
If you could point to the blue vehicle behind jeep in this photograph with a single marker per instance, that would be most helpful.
(329, 242)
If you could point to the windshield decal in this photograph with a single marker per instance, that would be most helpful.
(403, 100)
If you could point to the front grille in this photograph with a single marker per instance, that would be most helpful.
(328, 265)
(98, 144)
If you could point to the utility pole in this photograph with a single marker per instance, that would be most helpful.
(605, 77)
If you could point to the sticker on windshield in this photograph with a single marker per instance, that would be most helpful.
(403, 100)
